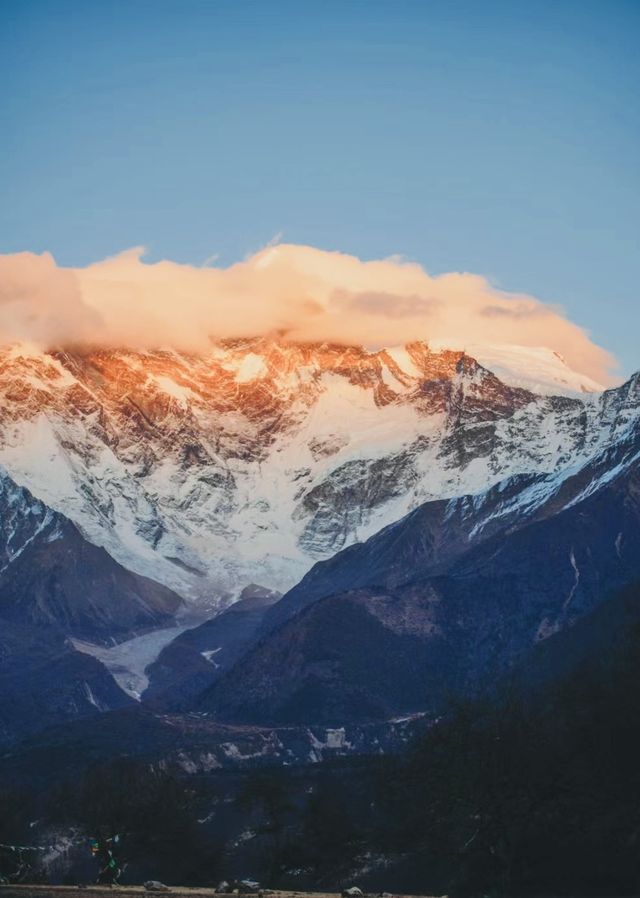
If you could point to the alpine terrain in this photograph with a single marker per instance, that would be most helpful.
(210, 473)
(146, 491)
(219, 571)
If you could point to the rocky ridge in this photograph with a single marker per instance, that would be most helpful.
(249, 463)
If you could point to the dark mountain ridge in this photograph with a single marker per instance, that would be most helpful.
(406, 622)
(55, 585)
(198, 657)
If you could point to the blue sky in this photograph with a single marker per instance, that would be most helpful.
(497, 138)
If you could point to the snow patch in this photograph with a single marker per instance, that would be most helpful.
(181, 394)
(403, 360)
(208, 656)
(576, 581)
(251, 368)
(128, 661)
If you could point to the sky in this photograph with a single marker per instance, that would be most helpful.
(496, 138)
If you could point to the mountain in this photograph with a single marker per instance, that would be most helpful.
(52, 577)
(55, 585)
(250, 462)
(195, 659)
(436, 533)
(449, 599)
(538, 369)
(44, 682)
(158, 474)
(449, 525)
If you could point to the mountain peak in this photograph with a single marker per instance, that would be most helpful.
(247, 463)
(536, 368)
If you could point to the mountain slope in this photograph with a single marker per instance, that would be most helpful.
(429, 539)
(44, 682)
(405, 638)
(52, 577)
(195, 659)
(54, 585)
(247, 464)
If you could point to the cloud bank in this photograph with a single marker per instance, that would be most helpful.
(305, 293)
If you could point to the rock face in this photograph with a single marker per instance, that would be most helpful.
(44, 681)
(449, 599)
(55, 585)
(198, 657)
(52, 577)
(207, 473)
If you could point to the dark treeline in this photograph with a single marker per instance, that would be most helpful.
(515, 799)
(506, 798)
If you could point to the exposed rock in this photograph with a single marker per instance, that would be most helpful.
(174, 463)
(51, 576)
(198, 657)
(448, 600)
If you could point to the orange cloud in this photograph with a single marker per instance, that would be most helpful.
(309, 294)
(42, 303)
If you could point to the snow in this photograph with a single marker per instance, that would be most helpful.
(608, 476)
(232, 752)
(18, 508)
(618, 544)
(239, 510)
(404, 361)
(576, 581)
(335, 739)
(171, 388)
(203, 763)
(251, 368)
(127, 661)
(349, 412)
(389, 378)
(546, 629)
(534, 368)
(208, 656)
(35, 459)
(92, 699)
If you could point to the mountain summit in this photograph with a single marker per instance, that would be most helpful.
(248, 463)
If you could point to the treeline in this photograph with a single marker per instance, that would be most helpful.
(541, 797)
(501, 798)
(506, 798)
(153, 811)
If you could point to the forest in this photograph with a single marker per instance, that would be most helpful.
(510, 795)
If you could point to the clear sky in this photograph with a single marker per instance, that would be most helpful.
(501, 138)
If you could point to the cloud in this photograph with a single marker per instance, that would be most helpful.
(306, 293)
(43, 303)
(518, 311)
(388, 305)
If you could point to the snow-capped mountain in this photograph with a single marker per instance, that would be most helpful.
(249, 463)
(55, 584)
(538, 369)
(451, 599)
(53, 578)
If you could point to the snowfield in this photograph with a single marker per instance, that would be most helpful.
(249, 464)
